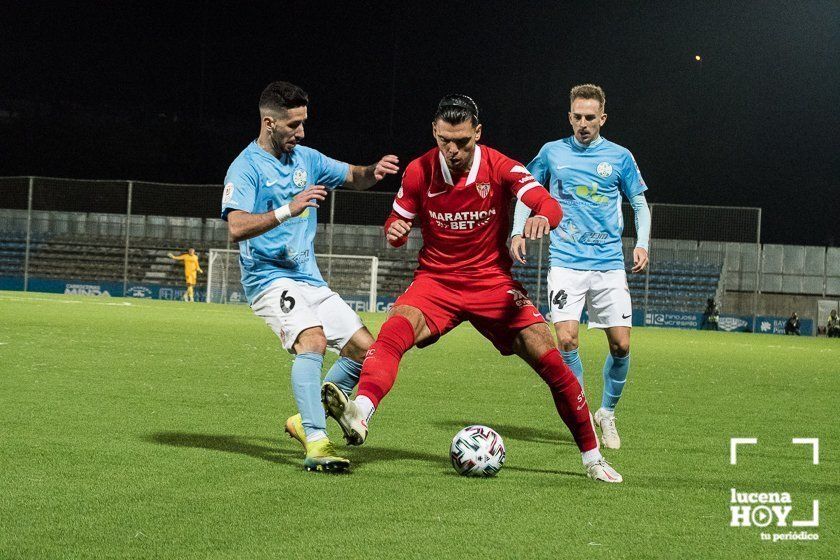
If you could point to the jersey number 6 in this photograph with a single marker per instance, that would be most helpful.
(287, 303)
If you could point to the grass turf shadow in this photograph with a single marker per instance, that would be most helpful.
(579, 474)
(273, 451)
(256, 447)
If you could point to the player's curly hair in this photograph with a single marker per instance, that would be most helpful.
(279, 96)
(456, 108)
(588, 91)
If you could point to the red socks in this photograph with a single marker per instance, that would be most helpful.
(568, 398)
(379, 370)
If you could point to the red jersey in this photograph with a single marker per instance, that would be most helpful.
(466, 221)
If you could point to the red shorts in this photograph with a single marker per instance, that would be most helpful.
(497, 307)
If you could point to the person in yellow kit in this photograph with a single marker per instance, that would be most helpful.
(191, 266)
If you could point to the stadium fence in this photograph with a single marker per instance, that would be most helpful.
(87, 236)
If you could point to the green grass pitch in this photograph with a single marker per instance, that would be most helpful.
(142, 429)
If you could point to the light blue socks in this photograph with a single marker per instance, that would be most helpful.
(615, 376)
(306, 386)
(572, 360)
(345, 374)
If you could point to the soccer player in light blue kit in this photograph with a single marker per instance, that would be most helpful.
(587, 174)
(270, 200)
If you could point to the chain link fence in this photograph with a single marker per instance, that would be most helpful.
(84, 236)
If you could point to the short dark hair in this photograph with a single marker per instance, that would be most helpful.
(456, 108)
(279, 96)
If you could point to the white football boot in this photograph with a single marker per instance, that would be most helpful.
(601, 471)
(609, 435)
(346, 413)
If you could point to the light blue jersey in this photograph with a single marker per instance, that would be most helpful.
(588, 182)
(257, 182)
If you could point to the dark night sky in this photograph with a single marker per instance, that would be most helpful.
(168, 92)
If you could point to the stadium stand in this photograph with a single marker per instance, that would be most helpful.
(95, 260)
(91, 247)
(676, 284)
(79, 229)
(683, 285)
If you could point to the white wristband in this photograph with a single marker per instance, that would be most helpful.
(283, 213)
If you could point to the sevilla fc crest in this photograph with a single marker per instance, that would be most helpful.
(483, 189)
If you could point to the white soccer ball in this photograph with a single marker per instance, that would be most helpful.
(477, 451)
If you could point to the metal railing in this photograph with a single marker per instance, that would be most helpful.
(54, 227)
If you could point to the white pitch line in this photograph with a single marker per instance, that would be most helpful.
(15, 298)
(216, 308)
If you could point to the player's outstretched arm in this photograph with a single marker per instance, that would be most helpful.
(535, 197)
(361, 178)
(396, 230)
(544, 207)
(517, 242)
(641, 213)
(535, 228)
(547, 216)
(518, 251)
(640, 259)
(244, 225)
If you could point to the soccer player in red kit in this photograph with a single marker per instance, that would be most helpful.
(460, 194)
